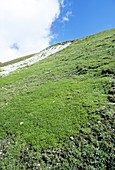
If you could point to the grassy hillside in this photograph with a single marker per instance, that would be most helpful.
(59, 112)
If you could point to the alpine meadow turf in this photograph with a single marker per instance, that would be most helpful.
(59, 112)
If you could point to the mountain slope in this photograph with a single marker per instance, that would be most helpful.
(11, 66)
(59, 112)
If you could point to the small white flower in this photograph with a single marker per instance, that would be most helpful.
(72, 138)
(21, 123)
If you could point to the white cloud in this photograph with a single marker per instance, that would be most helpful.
(62, 3)
(67, 16)
(27, 25)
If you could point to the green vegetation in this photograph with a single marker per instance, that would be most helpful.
(58, 114)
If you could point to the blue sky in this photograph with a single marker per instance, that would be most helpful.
(87, 17)
(45, 22)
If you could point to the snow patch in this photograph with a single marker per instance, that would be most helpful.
(6, 70)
